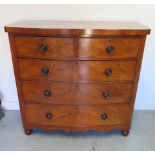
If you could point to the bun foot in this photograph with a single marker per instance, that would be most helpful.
(28, 132)
(124, 133)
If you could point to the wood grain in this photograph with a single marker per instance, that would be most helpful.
(76, 93)
(77, 70)
(76, 28)
(75, 116)
(76, 84)
(17, 77)
(56, 47)
(95, 48)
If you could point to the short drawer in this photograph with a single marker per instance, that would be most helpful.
(45, 47)
(76, 93)
(101, 48)
(76, 70)
(75, 116)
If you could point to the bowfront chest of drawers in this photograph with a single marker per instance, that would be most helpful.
(77, 76)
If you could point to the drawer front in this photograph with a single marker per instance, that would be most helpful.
(75, 116)
(77, 70)
(45, 47)
(72, 94)
(108, 48)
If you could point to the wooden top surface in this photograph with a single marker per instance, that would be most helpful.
(77, 28)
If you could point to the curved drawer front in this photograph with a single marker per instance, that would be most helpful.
(45, 47)
(99, 48)
(75, 116)
(77, 70)
(72, 94)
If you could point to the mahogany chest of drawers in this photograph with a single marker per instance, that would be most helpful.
(77, 76)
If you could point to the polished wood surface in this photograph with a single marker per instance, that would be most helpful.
(88, 48)
(76, 115)
(56, 47)
(96, 48)
(77, 70)
(76, 93)
(77, 76)
(81, 28)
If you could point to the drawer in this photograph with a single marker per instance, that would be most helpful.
(45, 47)
(76, 70)
(46, 114)
(76, 93)
(100, 48)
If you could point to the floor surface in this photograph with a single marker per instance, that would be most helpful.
(141, 137)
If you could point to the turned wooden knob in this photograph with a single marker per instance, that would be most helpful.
(104, 116)
(108, 72)
(43, 47)
(110, 49)
(49, 116)
(106, 94)
(47, 93)
(45, 70)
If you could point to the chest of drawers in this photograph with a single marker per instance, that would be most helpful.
(77, 76)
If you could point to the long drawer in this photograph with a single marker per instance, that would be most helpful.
(46, 114)
(76, 93)
(76, 70)
(45, 47)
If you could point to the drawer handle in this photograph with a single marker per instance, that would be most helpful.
(49, 116)
(106, 94)
(43, 47)
(110, 49)
(45, 70)
(47, 93)
(104, 116)
(108, 72)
